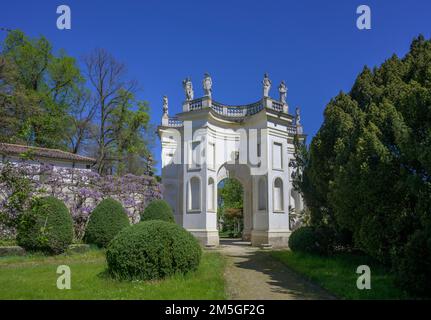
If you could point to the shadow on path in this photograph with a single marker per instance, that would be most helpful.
(253, 274)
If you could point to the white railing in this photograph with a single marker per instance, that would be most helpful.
(278, 106)
(236, 111)
(195, 104)
(175, 122)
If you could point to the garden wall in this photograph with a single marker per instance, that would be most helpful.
(81, 191)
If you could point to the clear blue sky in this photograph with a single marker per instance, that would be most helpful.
(313, 45)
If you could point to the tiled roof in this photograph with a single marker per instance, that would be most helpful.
(16, 149)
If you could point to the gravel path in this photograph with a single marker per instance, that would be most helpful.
(252, 274)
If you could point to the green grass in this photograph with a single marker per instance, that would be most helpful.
(337, 274)
(34, 277)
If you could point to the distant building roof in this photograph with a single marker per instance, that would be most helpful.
(19, 150)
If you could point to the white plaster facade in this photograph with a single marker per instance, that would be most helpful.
(210, 141)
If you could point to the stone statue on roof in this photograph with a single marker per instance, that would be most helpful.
(188, 88)
(266, 85)
(165, 105)
(207, 84)
(282, 89)
(297, 116)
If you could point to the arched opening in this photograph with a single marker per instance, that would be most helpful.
(230, 212)
(211, 195)
(278, 195)
(194, 196)
(262, 194)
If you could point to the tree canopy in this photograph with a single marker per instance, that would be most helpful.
(368, 169)
(46, 100)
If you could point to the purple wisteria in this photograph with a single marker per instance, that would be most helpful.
(81, 190)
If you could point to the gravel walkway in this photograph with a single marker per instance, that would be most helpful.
(252, 274)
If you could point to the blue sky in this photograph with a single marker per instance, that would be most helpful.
(313, 45)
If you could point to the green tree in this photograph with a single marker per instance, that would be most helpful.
(35, 88)
(45, 101)
(121, 118)
(368, 167)
(328, 146)
(231, 205)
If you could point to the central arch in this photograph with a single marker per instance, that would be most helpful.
(230, 211)
(240, 172)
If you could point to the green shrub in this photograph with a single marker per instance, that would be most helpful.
(312, 240)
(158, 210)
(106, 220)
(47, 226)
(413, 265)
(152, 250)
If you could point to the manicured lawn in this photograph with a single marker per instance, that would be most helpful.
(34, 277)
(338, 274)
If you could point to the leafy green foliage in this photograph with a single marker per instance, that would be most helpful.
(232, 194)
(152, 250)
(158, 210)
(35, 91)
(45, 101)
(106, 220)
(121, 119)
(411, 274)
(46, 227)
(311, 240)
(230, 209)
(368, 169)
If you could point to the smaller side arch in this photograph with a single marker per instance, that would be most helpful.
(194, 194)
(278, 195)
(211, 195)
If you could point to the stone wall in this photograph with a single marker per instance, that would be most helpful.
(80, 190)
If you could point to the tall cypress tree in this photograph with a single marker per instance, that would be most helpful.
(369, 166)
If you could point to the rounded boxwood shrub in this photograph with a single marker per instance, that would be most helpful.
(152, 250)
(47, 226)
(311, 240)
(106, 220)
(158, 210)
(413, 264)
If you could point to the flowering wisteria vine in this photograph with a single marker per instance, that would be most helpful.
(81, 190)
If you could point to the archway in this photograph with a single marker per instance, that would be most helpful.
(241, 174)
(230, 208)
(210, 141)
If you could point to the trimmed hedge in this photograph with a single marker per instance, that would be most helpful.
(413, 264)
(152, 250)
(47, 226)
(158, 210)
(106, 220)
(312, 240)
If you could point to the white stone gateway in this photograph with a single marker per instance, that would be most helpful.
(210, 141)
